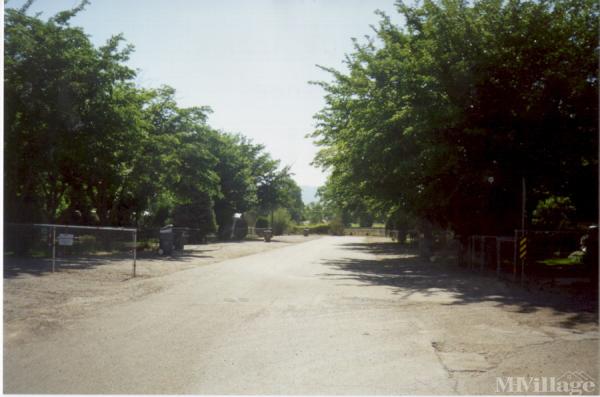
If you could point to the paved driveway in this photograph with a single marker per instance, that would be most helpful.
(330, 316)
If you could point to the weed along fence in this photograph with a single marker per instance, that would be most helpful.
(49, 247)
(531, 256)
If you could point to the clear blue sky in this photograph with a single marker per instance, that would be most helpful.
(249, 60)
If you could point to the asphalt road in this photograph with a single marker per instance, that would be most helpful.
(312, 318)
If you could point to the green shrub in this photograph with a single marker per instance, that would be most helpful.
(319, 228)
(336, 227)
(198, 215)
(282, 221)
(555, 212)
(262, 222)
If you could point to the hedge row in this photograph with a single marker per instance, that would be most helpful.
(322, 228)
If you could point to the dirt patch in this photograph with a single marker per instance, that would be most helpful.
(37, 302)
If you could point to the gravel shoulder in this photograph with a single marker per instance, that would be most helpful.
(37, 303)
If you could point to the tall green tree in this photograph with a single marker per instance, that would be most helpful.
(180, 169)
(444, 117)
(85, 145)
(235, 166)
(64, 101)
(277, 189)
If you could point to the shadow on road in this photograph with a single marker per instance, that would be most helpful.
(407, 274)
(15, 266)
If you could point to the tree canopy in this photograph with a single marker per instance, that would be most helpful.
(85, 145)
(443, 118)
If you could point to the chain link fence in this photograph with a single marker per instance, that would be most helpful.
(533, 256)
(539, 256)
(495, 253)
(555, 255)
(365, 231)
(256, 232)
(40, 248)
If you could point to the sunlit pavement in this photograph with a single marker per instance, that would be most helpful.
(330, 316)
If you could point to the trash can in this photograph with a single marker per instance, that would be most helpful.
(166, 240)
(267, 234)
(180, 237)
(305, 232)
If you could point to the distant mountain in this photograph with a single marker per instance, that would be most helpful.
(309, 194)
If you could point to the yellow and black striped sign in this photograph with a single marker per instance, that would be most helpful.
(523, 248)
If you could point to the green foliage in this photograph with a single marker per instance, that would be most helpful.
(291, 197)
(236, 157)
(250, 179)
(576, 258)
(365, 219)
(554, 212)
(282, 221)
(262, 223)
(401, 220)
(85, 145)
(339, 199)
(197, 214)
(322, 228)
(65, 101)
(176, 169)
(336, 226)
(443, 118)
(314, 212)
(277, 189)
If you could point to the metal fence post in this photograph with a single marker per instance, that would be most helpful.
(523, 259)
(516, 245)
(134, 251)
(53, 248)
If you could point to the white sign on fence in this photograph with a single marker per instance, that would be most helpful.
(65, 239)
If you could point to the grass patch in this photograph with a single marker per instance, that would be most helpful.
(561, 261)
